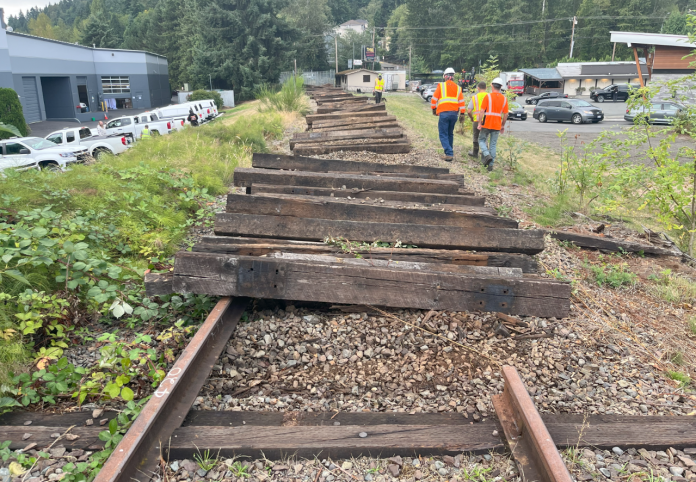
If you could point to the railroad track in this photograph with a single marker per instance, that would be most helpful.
(270, 244)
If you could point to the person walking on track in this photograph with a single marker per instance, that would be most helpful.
(473, 111)
(379, 88)
(492, 117)
(448, 104)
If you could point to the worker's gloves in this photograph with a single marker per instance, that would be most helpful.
(434, 112)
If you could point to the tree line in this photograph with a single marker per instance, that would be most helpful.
(240, 44)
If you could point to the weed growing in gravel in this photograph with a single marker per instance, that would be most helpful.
(673, 288)
(683, 379)
(290, 98)
(239, 470)
(692, 325)
(205, 461)
(677, 358)
(613, 275)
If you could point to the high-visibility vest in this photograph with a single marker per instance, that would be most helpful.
(447, 97)
(145, 134)
(476, 100)
(493, 107)
(379, 85)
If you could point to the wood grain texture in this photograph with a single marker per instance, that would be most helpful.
(329, 108)
(260, 247)
(423, 236)
(609, 244)
(158, 284)
(226, 275)
(336, 441)
(324, 208)
(415, 197)
(353, 120)
(312, 118)
(385, 147)
(311, 164)
(357, 126)
(244, 177)
(320, 137)
(89, 436)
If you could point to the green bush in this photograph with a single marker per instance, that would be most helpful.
(11, 113)
(290, 98)
(207, 94)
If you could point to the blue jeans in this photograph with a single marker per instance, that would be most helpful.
(445, 125)
(484, 146)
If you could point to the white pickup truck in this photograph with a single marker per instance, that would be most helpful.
(98, 146)
(133, 126)
(35, 152)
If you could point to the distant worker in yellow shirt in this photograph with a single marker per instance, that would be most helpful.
(473, 109)
(379, 88)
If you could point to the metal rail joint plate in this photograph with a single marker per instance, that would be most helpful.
(528, 438)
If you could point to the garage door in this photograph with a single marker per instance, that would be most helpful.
(32, 113)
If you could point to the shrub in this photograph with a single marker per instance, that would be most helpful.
(11, 113)
(290, 98)
(207, 94)
(613, 275)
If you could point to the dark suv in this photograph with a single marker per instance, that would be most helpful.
(571, 110)
(613, 92)
(546, 95)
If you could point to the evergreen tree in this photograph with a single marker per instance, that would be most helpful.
(245, 43)
(312, 19)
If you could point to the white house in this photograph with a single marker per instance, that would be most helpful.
(358, 26)
(364, 79)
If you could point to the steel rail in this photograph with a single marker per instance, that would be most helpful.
(528, 438)
(137, 455)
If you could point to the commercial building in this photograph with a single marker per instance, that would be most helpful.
(60, 81)
(581, 78)
(537, 81)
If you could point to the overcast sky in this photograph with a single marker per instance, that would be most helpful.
(12, 7)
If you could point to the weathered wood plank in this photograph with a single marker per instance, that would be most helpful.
(337, 442)
(386, 148)
(312, 118)
(610, 244)
(354, 119)
(158, 284)
(317, 137)
(262, 246)
(423, 236)
(327, 208)
(350, 107)
(416, 197)
(244, 177)
(41, 436)
(359, 126)
(299, 163)
(226, 275)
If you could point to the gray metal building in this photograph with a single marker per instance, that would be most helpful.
(59, 81)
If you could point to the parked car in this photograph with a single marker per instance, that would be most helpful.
(36, 152)
(422, 87)
(571, 110)
(516, 111)
(98, 146)
(546, 95)
(427, 94)
(613, 92)
(659, 112)
(133, 126)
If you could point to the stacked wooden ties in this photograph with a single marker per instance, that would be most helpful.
(287, 238)
(345, 122)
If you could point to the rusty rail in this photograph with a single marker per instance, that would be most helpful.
(138, 454)
(528, 438)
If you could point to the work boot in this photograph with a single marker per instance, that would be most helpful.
(487, 160)
(449, 158)
(490, 167)
(475, 151)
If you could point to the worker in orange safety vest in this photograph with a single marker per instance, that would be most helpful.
(448, 104)
(492, 118)
(379, 88)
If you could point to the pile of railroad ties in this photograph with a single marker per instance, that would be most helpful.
(345, 122)
(306, 230)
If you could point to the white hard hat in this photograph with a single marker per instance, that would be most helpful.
(498, 81)
(449, 70)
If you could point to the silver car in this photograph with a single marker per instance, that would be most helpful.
(662, 112)
(428, 93)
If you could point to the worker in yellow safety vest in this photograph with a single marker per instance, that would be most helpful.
(145, 134)
(492, 118)
(473, 111)
(448, 104)
(379, 88)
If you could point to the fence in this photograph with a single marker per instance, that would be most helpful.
(311, 77)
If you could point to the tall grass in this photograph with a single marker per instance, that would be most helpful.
(290, 97)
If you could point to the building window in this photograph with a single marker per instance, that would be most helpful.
(115, 84)
(366, 78)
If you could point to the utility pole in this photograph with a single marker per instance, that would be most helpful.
(572, 37)
(336, 45)
(374, 52)
(410, 75)
(352, 59)
(295, 73)
(210, 77)
(613, 52)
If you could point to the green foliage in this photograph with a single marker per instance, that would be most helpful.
(692, 325)
(11, 115)
(240, 470)
(205, 461)
(290, 98)
(207, 94)
(312, 18)
(510, 152)
(672, 287)
(613, 275)
(683, 379)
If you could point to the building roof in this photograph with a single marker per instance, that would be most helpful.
(83, 46)
(353, 71)
(580, 70)
(543, 74)
(351, 23)
(643, 38)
